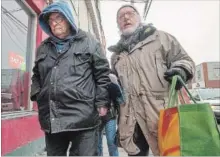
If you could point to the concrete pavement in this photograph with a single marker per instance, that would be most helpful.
(121, 150)
(105, 150)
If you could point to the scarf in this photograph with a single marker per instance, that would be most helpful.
(127, 43)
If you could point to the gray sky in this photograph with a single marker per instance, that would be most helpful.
(195, 24)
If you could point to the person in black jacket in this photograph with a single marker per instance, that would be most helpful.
(109, 121)
(70, 84)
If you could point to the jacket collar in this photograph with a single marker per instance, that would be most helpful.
(150, 35)
(79, 36)
(146, 41)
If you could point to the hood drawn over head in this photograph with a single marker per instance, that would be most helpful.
(61, 7)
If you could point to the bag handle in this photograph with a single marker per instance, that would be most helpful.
(173, 94)
(173, 97)
(187, 90)
(181, 94)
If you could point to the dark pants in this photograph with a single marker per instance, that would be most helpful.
(141, 142)
(84, 143)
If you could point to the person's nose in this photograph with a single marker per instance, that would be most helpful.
(126, 16)
(53, 23)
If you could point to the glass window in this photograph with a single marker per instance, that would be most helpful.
(210, 93)
(195, 95)
(14, 84)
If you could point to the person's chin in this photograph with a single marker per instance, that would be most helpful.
(58, 33)
(128, 31)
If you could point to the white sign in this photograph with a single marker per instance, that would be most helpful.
(200, 84)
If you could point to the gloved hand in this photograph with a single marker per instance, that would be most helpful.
(176, 71)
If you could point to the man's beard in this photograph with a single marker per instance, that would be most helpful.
(130, 30)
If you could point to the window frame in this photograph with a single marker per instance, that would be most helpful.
(30, 54)
(73, 5)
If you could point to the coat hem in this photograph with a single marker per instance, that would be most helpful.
(67, 130)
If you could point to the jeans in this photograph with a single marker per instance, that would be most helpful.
(84, 143)
(110, 130)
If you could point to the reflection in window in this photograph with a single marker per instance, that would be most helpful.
(14, 48)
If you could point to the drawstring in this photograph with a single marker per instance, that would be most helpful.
(74, 63)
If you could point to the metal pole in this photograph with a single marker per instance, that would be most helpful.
(147, 8)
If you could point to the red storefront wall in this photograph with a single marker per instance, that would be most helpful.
(209, 83)
(18, 132)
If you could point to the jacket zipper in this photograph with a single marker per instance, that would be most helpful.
(55, 75)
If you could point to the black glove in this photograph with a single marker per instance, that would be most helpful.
(176, 71)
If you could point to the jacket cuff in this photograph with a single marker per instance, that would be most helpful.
(34, 94)
(98, 106)
(189, 76)
(120, 100)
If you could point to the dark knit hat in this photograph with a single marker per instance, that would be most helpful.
(128, 5)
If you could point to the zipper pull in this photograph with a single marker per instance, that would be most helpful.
(59, 52)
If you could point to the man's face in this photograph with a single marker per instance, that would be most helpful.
(59, 25)
(128, 20)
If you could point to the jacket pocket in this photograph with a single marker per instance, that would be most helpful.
(38, 62)
(81, 57)
(126, 121)
(41, 94)
(75, 93)
(81, 61)
(161, 69)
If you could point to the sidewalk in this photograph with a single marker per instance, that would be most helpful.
(105, 150)
(105, 147)
(121, 151)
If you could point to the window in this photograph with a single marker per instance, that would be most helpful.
(195, 95)
(213, 70)
(209, 93)
(16, 53)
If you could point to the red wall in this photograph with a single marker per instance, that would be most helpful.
(36, 5)
(20, 131)
(213, 84)
(209, 83)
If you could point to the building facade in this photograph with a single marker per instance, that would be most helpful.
(21, 35)
(207, 75)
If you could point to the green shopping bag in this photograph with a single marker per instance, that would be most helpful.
(194, 128)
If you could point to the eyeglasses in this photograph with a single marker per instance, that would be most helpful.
(58, 20)
(130, 14)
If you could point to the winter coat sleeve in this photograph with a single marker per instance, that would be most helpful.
(115, 91)
(116, 94)
(114, 58)
(176, 56)
(35, 86)
(101, 72)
